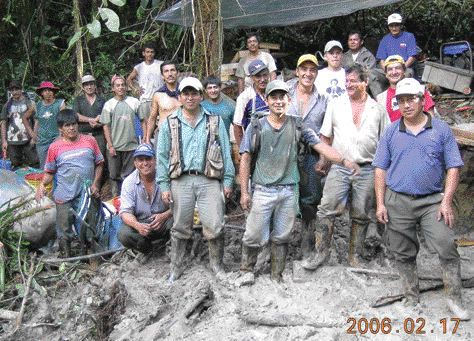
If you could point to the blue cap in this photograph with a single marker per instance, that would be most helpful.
(256, 66)
(144, 149)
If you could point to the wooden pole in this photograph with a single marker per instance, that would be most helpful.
(76, 13)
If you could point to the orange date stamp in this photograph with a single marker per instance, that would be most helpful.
(409, 325)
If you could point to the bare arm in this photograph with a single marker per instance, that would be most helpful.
(41, 190)
(4, 137)
(244, 176)
(273, 75)
(95, 188)
(132, 83)
(333, 155)
(238, 134)
(241, 84)
(150, 125)
(382, 214)
(108, 139)
(410, 61)
(445, 209)
(26, 121)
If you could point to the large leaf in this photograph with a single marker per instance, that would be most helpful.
(144, 3)
(119, 3)
(94, 28)
(111, 19)
(74, 39)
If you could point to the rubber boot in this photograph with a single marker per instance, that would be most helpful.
(249, 258)
(307, 237)
(356, 244)
(216, 254)
(452, 288)
(322, 236)
(178, 250)
(278, 255)
(64, 247)
(409, 280)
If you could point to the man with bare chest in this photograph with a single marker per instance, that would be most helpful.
(165, 100)
(354, 124)
(306, 102)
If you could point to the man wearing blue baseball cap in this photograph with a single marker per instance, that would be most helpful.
(145, 216)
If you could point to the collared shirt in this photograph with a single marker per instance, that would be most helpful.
(82, 106)
(356, 144)
(193, 148)
(134, 198)
(363, 57)
(416, 164)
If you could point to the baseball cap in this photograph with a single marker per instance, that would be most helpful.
(87, 79)
(144, 149)
(409, 86)
(394, 18)
(276, 85)
(256, 66)
(307, 58)
(191, 82)
(330, 44)
(393, 59)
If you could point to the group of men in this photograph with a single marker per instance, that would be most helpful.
(390, 154)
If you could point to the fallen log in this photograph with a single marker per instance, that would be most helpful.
(79, 258)
(396, 275)
(8, 314)
(282, 320)
(386, 300)
(207, 295)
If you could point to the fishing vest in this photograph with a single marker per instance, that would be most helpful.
(213, 163)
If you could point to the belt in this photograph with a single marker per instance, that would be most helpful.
(416, 196)
(192, 172)
(363, 164)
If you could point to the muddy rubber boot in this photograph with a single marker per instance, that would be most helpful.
(356, 245)
(178, 250)
(322, 243)
(216, 254)
(278, 253)
(307, 237)
(452, 288)
(64, 247)
(249, 259)
(409, 280)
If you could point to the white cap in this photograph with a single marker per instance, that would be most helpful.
(87, 79)
(332, 43)
(409, 86)
(192, 82)
(394, 18)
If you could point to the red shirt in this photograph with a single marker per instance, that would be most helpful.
(392, 105)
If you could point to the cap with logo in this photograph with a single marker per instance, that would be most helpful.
(393, 59)
(87, 79)
(256, 66)
(331, 44)
(409, 86)
(276, 85)
(191, 82)
(394, 18)
(307, 58)
(144, 149)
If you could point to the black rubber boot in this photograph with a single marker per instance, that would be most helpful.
(307, 237)
(452, 288)
(64, 247)
(356, 244)
(409, 280)
(216, 254)
(278, 255)
(178, 250)
(322, 241)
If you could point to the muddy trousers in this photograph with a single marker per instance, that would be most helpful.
(130, 238)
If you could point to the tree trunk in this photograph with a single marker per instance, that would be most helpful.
(208, 36)
(76, 13)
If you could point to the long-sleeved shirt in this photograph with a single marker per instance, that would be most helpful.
(193, 148)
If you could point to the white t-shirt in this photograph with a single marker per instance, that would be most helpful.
(149, 78)
(243, 67)
(331, 83)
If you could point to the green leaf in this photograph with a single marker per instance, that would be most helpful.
(144, 3)
(111, 19)
(130, 33)
(21, 289)
(119, 3)
(94, 28)
(62, 267)
(74, 39)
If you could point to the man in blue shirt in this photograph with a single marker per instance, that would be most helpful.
(194, 166)
(411, 160)
(397, 42)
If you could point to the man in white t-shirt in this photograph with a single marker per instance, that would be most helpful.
(331, 81)
(145, 78)
(242, 72)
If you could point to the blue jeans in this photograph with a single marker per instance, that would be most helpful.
(42, 150)
(339, 183)
(271, 205)
(208, 194)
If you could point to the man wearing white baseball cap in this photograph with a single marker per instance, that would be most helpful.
(397, 42)
(194, 166)
(417, 166)
(331, 81)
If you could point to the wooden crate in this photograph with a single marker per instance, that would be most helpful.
(448, 77)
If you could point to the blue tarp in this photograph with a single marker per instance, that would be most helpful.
(260, 13)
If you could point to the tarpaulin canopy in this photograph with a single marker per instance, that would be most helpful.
(259, 13)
